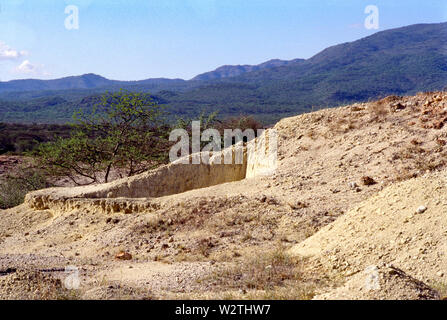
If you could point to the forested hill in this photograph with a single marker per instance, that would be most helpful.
(398, 61)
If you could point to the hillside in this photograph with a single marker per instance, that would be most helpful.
(233, 71)
(346, 196)
(86, 81)
(399, 61)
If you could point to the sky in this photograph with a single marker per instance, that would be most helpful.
(141, 39)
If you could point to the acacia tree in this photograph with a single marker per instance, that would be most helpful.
(124, 132)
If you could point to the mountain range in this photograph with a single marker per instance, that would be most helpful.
(398, 61)
(94, 81)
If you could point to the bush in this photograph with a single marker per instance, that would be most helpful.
(13, 188)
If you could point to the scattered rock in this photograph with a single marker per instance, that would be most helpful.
(298, 205)
(32, 285)
(368, 181)
(123, 256)
(441, 142)
(353, 185)
(272, 201)
(421, 209)
(381, 283)
(397, 106)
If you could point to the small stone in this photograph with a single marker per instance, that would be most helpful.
(123, 256)
(397, 106)
(421, 209)
(368, 181)
(298, 205)
(353, 185)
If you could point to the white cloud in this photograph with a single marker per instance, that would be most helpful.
(7, 53)
(26, 67)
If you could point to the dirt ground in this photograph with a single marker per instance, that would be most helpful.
(343, 198)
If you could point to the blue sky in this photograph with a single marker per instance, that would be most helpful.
(139, 39)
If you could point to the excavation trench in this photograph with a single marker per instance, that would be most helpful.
(247, 161)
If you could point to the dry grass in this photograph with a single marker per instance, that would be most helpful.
(403, 175)
(429, 163)
(379, 110)
(419, 160)
(441, 287)
(212, 229)
(342, 125)
(299, 292)
(266, 275)
(312, 134)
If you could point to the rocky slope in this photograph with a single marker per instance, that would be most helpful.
(343, 198)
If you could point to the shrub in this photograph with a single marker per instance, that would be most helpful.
(14, 187)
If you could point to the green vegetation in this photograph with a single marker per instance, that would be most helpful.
(14, 187)
(20, 138)
(125, 132)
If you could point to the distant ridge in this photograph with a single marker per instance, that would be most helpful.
(86, 81)
(401, 61)
(233, 71)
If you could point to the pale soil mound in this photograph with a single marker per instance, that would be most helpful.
(404, 225)
(385, 283)
(31, 285)
(329, 161)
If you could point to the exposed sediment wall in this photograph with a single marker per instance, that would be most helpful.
(247, 161)
(176, 178)
(262, 155)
